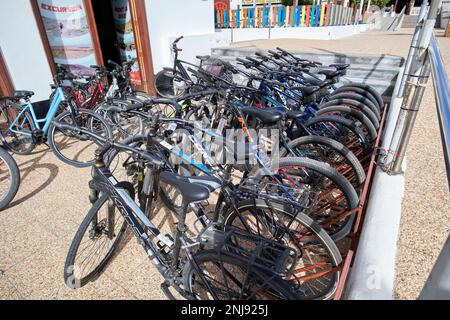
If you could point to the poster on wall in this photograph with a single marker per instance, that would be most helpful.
(125, 36)
(68, 34)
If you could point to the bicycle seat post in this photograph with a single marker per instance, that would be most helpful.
(181, 229)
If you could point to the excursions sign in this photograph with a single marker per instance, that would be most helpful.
(45, 6)
(68, 33)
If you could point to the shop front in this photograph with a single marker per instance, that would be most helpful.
(81, 33)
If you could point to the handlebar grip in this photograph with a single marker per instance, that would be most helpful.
(255, 62)
(113, 63)
(282, 50)
(242, 60)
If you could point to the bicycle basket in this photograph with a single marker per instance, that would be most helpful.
(216, 68)
(265, 188)
(252, 250)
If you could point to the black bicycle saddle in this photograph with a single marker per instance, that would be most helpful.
(192, 189)
(23, 94)
(264, 115)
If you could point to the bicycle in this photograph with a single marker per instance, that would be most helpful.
(25, 129)
(287, 210)
(174, 82)
(184, 262)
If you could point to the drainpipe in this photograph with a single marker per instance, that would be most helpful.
(414, 90)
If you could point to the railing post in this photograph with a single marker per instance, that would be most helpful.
(414, 90)
(412, 48)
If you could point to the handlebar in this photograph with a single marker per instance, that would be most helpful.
(108, 144)
(178, 39)
(262, 56)
(114, 64)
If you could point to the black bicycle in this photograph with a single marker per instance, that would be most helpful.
(175, 82)
(215, 264)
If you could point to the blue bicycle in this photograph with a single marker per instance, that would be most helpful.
(25, 125)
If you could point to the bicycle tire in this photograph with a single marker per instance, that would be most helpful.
(357, 105)
(113, 118)
(276, 284)
(370, 89)
(73, 250)
(324, 169)
(13, 145)
(164, 86)
(359, 98)
(357, 168)
(357, 90)
(14, 181)
(316, 232)
(358, 115)
(52, 131)
(349, 125)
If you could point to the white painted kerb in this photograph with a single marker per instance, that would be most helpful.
(373, 273)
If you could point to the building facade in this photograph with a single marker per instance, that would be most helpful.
(36, 35)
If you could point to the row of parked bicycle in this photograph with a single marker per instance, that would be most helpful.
(260, 159)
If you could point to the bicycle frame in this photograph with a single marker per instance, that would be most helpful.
(96, 94)
(57, 100)
(138, 221)
(135, 218)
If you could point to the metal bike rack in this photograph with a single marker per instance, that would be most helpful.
(370, 165)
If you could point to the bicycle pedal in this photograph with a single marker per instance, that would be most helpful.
(37, 136)
(166, 291)
(162, 247)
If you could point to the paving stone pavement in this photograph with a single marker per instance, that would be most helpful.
(36, 231)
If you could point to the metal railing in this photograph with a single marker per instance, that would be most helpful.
(442, 95)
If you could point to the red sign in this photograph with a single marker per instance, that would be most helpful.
(222, 4)
(60, 9)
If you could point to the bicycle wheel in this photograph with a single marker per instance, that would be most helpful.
(342, 130)
(314, 276)
(9, 178)
(231, 280)
(94, 244)
(73, 148)
(357, 90)
(169, 84)
(333, 195)
(123, 125)
(329, 151)
(355, 105)
(359, 98)
(368, 88)
(354, 115)
(18, 137)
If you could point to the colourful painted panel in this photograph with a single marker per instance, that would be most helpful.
(308, 15)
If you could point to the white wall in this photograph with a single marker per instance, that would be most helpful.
(23, 50)
(169, 19)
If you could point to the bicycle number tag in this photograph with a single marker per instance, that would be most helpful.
(172, 127)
